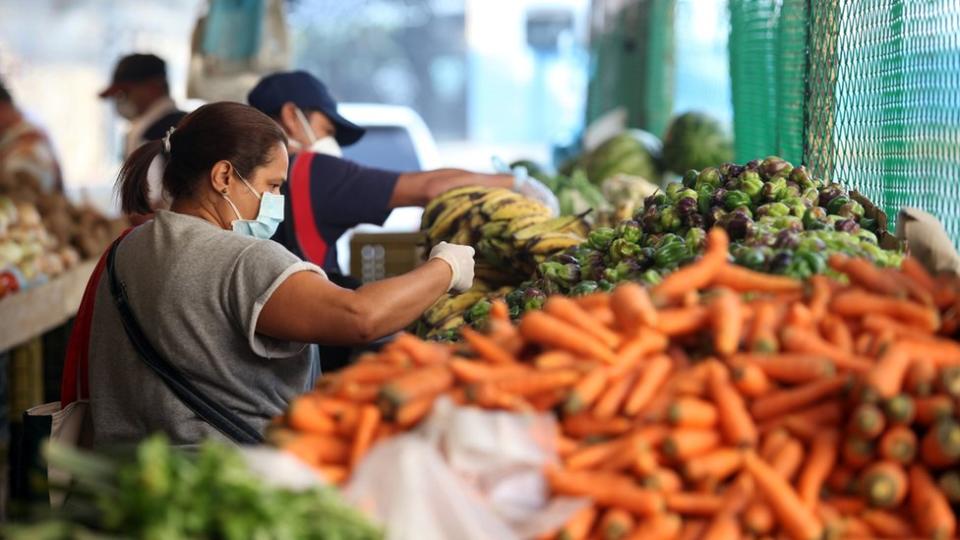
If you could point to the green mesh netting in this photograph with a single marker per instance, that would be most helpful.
(866, 93)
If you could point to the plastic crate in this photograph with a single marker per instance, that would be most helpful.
(376, 256)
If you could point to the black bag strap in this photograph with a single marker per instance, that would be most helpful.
(218, 416)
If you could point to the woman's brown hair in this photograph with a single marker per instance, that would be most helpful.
(215, 132)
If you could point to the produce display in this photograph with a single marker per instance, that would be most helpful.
(695, 141)
(718, 403)
(780, 219)
(511, 234)
(162, 493)
(44, 236)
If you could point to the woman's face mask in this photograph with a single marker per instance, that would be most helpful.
(268, 217)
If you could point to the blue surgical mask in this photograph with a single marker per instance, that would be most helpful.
(268, 218)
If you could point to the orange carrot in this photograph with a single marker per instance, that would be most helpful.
(640, 345)
(837, 333)
(799, 316)
(616, 524)
(798, 521)
(606, 489)
(681, 321)
(428, 380)
(879, 324)
(499, 311)
(773, 442)
(554, 359)
(865, 274)
(586, 391)
(898, 444)
(887, 376)
(358, 393)
(750, 380)
(727, 321)
(724, 526)
(857, 452)
(900, 409)
(867, 421)
(334, 407)
(542, 328)
(884, 484)
(304, 414)
(470, 371)
(651, 378)
(634, 452)
(856, 303)
(921, 376)
(699, 274)
(848, 506)
(579, 525)
(492, 397)
(940, 447)
(422, 352)
(692, 412)
(685, 443)
(694, 504)
(950, 485)
(566, 446)
(886, 524)
(367, 426)
(538, 382)
(933, 408)
(591, 456)
(783, 401)
(821, 459)
(718, 464)
(411, 412)
(763, 333)
(318, 449)
(803, 341)
(613, 397)
(742, 279)
(692, 529)
(585, 425)
(820, 292)
(842, 480)
(758, 518)
(567, 310)
(931, 511)
(368, 372)
(788, 460)
(793, 368)
(912, 268)
(632, 307)
(485, 347)
(659, 527)
(735, 422)
(664, 480)
(593, 300)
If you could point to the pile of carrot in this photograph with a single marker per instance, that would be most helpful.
(720, 404)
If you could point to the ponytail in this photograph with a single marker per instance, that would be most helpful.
(132, 184)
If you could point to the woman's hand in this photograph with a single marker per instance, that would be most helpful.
(460, 259)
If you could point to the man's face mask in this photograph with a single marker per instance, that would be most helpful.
(324, 145)
(268, 218)
(126, 108)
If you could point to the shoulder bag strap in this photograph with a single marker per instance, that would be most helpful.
(218, 416)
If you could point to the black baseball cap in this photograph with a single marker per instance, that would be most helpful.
(307, 92)
(135, 68)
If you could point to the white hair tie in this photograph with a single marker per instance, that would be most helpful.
(166, 140)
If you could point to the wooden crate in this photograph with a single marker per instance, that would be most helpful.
(376, 256)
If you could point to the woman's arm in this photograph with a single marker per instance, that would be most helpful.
(307, 307)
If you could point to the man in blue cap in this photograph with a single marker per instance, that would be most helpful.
(327, 195)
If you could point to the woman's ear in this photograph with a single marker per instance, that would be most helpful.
(221, 176)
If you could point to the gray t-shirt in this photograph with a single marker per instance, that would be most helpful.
(196, 291)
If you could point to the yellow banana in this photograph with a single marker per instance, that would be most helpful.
(449, 305)
(447, 219)
(567, 224)
(520, 223)
(552, 242)
(517, 209)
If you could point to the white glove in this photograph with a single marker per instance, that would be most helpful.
(460, 259)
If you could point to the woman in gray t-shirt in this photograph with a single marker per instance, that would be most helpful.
(229, 308)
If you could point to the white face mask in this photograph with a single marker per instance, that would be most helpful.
(325, 145)
(126, 108)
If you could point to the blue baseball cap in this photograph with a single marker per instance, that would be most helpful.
(307, 92)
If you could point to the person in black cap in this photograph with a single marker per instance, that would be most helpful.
(141, 94)
(327, 195)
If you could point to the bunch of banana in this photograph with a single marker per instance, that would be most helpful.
(511, 234)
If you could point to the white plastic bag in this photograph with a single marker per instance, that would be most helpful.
(466, 473)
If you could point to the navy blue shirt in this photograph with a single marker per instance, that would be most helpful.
(325, 197)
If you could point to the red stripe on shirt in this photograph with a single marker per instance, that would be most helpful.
(312, 244)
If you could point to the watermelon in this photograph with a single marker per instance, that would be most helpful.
(695, 141)
(628, 153)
